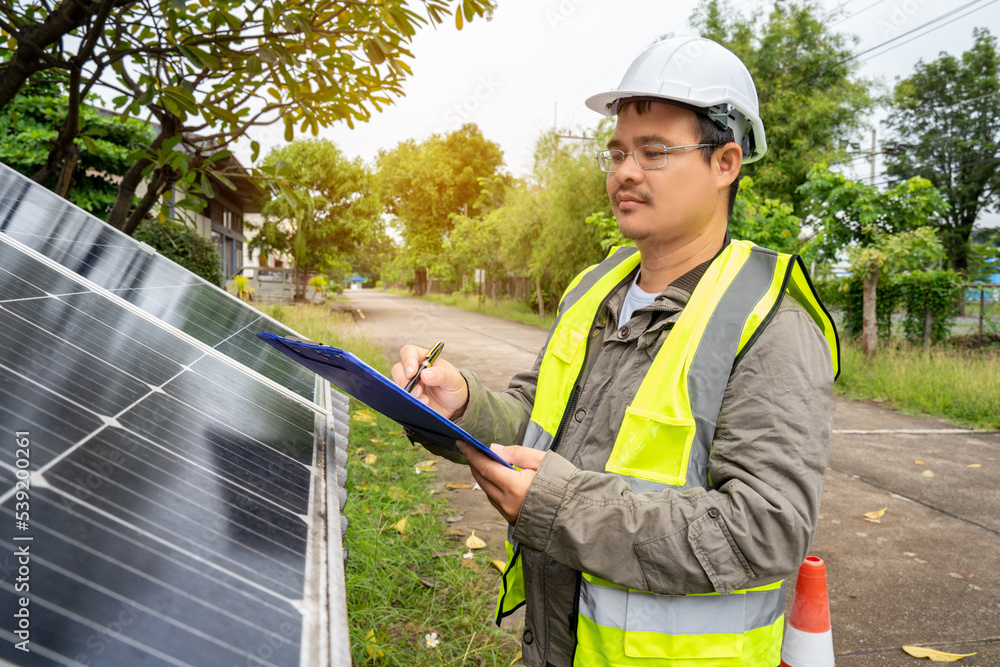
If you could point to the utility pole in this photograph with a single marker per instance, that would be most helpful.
(873, 157)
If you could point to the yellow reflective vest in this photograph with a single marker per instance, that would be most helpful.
(664, 442)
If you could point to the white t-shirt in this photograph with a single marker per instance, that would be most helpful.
(634, 300)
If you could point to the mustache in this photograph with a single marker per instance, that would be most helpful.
(634, 194)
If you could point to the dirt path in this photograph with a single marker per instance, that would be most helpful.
(927, 574)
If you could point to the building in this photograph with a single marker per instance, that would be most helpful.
(222, 220)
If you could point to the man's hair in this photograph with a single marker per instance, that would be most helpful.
(709, 133)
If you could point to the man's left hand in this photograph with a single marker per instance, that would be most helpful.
(504, 487)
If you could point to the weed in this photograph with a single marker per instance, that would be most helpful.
(405, 583)
(962, 386)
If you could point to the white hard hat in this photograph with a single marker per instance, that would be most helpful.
(697, 73)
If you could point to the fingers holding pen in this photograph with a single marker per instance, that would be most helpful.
(410, 357)
(440, 386)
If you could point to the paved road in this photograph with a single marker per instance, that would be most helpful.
(928, 573)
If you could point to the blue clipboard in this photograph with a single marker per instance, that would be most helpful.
(353, 376)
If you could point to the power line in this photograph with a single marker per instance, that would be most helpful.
(896, 46)
(910, 32)
(855, 56)
(836, 9)
(924, 172)
(860, 11)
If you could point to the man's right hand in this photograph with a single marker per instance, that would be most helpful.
(441, 387)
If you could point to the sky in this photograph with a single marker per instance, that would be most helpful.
(532, 66)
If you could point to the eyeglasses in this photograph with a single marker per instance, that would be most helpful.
(650, 156)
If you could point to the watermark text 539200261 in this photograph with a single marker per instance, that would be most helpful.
(22, 546)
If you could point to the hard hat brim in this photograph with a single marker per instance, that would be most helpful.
(606, 104)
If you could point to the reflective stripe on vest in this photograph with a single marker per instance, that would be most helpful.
(665, 441)
(640, 611)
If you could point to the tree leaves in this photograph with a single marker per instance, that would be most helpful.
(935, 655)
(425, 185)
(426, 466)
(453, 486)
(810, 97)
(875, 516)
(946, 117)
(325, 206)
(475, 542)
(362, 415)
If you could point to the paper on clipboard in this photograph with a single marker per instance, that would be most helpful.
(353, 376)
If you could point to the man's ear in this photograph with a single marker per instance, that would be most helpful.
(726, 164)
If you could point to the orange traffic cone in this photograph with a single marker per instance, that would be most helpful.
(808, 635)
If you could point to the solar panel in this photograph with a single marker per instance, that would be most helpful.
(180, 470)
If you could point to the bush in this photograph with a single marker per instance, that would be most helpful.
(937, 291)
(916, 292)
(181, 244)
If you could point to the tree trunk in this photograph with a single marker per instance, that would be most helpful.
(68, 170)
(928, 328)
(869, 325)
(538, 295)
(160, 181)
(419, 281)
(29, 55)
(119, 217)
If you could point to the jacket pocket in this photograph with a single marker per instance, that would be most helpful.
(652, 447)
(718, 554)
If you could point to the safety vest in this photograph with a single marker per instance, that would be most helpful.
(664, 443)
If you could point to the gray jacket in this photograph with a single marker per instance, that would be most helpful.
(767, 469)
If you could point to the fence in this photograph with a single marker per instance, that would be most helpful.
(987, 297)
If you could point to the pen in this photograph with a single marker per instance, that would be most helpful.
(432, 354)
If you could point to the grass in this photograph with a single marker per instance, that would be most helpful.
(962, 386)
(404, 582)
(507, 308)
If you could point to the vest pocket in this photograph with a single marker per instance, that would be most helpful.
(653, 447)
(567, 341)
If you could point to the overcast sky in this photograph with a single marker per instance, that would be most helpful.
(536, 61)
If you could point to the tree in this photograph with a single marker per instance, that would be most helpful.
(764, 220)
(889, 253)
(881, 230)
(520, 219)
(374, 254)
(29, 124)
(810, 97)
(326, 205)
(850, 212)
(424, 185)
(984, 255)
(206, 73)
(571, 188)
(946, 118)
(473, 244)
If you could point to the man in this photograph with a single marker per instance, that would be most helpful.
(672, 437)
